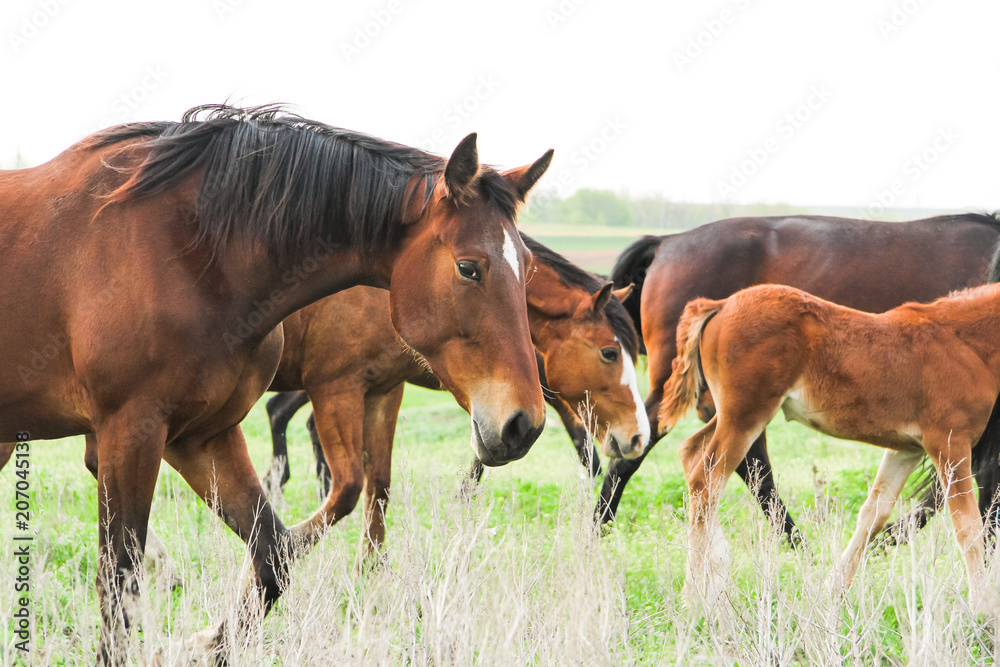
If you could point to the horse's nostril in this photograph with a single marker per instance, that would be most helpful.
(636, 442)
(518, 434)
(516, 427)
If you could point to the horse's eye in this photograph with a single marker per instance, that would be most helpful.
(469, 270)
(610, 354)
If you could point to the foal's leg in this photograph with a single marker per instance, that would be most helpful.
(381, 411)
(892, 474)
(709, 457)
(951, 457)
(221, 473)
(128, 462)
(338, 409)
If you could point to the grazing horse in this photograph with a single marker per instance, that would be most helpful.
(870, 266)
(344, 353)
(147, 268)
(916, 380)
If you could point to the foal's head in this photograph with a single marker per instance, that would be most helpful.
(589, 352)
(457, 297)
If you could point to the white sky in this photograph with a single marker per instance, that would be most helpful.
(608, 67)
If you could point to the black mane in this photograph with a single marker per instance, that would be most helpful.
(286, 181)
(574, 276)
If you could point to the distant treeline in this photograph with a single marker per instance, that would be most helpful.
(588, 207)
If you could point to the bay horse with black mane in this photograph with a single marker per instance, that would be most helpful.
(918, 380)
(160, 258)
(867, 265)
(343, 351)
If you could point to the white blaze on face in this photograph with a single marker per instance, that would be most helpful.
(629, 380)
(510, 254)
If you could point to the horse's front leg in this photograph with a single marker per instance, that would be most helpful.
(129, 446)
(221, 473)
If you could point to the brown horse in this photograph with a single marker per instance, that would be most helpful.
(343, 351)
(147, 268)
(870, 266)
(916, 380)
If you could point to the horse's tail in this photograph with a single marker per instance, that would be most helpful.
(630, 269)
(684, 386)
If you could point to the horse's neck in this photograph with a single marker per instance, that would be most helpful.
(550, 302)
(275, 291)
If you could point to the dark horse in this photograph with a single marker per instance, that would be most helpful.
(866, 265)
(146, 270)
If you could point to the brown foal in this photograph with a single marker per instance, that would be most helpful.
(917, 380)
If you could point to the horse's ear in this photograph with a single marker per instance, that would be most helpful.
(623, 293)
(603, 296)
(524, 178)
(461, 171)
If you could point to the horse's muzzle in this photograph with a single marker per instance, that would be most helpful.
(511, 443)
(614, 449)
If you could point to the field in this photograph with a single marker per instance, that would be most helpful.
(593, 248)
(517, 576)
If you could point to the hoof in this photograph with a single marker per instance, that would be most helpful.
(202, 649)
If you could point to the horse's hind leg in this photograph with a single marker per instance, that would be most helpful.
(128, 462)
(280, 409)
(709, 457)
(339, 411)
(381, 411)
(756, 472)
(892, 474)
(221, 473)
(323, 473)
(951, 456)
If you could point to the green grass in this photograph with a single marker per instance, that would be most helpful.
(528, 502)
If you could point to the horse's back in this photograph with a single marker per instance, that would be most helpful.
(868, 265)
